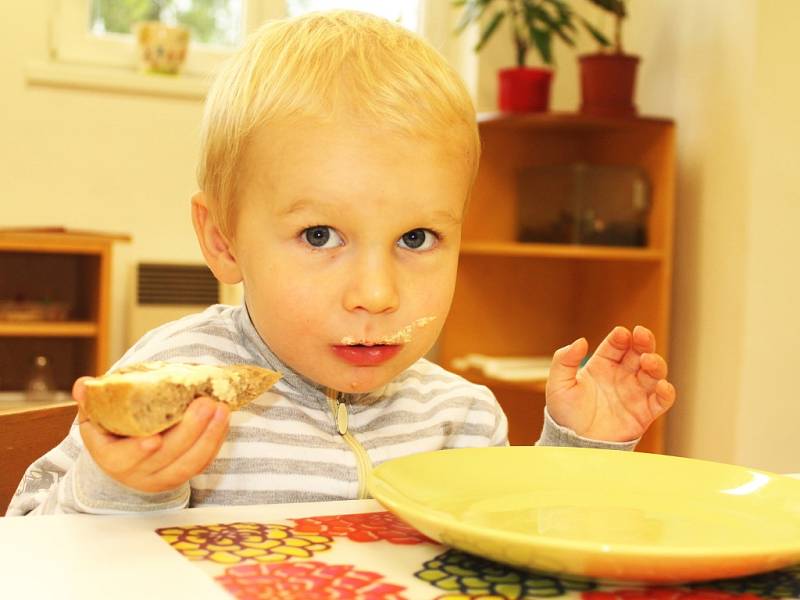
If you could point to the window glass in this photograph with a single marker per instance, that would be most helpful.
(217, 22)
(405, 12)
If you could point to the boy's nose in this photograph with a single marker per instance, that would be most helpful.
(372, 285)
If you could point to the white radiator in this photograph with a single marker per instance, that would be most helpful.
(164, 292)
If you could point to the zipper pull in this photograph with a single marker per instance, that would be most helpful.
(341, 417)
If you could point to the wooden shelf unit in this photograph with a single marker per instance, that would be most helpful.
(60, 266)
(560, 251)
(49, 329)
(517, 298)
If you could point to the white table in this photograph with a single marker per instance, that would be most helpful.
(120, 557)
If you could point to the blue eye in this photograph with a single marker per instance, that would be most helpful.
(321, 236)
(417, 239)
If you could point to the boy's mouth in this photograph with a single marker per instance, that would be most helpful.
(366, 355)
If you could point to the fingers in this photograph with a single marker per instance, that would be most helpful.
(565, 365)
(652, 377)
(195, 429)
(615, 345)
(201, 453)
(663, 398)
(642, 341)
(221, 441)
(115, 455)
(653, 368)
(625, 347)
(78, 394)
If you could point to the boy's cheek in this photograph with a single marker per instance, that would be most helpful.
(282, 292)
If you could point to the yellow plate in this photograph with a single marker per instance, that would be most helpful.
(606, 514)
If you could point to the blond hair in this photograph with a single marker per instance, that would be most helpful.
(316, 65)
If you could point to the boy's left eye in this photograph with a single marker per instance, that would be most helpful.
(417, 239)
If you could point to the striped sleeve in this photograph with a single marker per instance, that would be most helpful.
(554, 434)
(67, 480)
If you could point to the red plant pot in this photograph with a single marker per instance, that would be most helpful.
(524, 89)
(608, 82)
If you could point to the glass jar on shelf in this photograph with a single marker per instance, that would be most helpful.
(40, 386)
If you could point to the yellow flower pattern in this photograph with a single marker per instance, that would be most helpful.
(233, 543)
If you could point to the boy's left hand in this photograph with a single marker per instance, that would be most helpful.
(618, 394)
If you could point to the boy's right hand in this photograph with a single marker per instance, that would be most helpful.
(163, 461)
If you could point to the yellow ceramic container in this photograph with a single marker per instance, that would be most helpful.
(162, 48)
(605, 514)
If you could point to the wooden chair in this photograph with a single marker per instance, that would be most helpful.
(25, 435)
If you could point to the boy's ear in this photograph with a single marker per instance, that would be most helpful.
(216, 248)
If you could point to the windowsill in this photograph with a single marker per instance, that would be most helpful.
(116, 79)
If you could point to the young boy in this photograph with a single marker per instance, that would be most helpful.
(338, 155)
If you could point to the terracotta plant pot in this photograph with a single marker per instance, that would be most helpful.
(608, 82)
(524, 89)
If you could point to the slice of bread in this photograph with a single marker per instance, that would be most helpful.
(146, 398)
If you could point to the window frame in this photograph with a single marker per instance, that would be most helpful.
(72, 42)
(77, 59)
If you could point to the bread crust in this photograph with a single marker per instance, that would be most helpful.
(146, 398)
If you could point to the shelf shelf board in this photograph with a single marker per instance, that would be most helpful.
(48, 329)
(57, 240)
(16, 402)
(477, 376)
(567, 251)
(567, 121)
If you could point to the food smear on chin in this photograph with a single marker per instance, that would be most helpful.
(402, 336)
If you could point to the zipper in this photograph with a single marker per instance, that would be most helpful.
(340, 417)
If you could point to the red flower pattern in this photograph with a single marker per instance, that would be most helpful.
(363, 527)
(307, 580)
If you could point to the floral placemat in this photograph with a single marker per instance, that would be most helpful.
(376, 556)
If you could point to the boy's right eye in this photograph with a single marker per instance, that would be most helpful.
(321, 236)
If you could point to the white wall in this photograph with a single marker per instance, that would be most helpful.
(767, 428)
(734, 94)
(698, 68)
(94, 160)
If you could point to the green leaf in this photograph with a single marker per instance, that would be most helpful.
(596, 33)
(472, 13)
(563, 9)
(497, 18)
(542, 39)
(616, 7)
(534, 13)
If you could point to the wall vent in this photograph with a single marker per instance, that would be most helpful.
(176, 284)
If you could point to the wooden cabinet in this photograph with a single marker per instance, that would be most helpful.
(26, 433)
(67, 270)
(54, 302)
(517, 298)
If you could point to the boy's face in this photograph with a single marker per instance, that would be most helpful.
(347, 237)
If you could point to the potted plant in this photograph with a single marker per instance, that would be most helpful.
(608, 79)
(532, 24)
